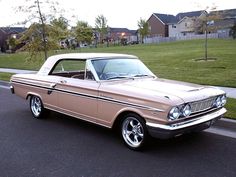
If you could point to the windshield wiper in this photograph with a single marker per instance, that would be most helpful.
(117, 77)
(142, 75)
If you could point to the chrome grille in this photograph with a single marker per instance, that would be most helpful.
(202, 105)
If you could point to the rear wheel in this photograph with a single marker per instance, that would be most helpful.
(133, 131)
(36, 107)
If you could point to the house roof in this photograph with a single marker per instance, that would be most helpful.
(166, 18)
(10, 30)
(229, 13)
(117, 30)
(122, 30)
(180, 16)
(226, 23)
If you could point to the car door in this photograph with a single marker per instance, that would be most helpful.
(77, 90)
(78, 98)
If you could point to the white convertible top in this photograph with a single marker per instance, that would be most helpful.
(51, 61)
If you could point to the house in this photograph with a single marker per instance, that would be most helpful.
(158, 24)
(185, 23)
(3, 40)
(224, 21)
(122, 35)
(166, 25)
(188, 23)
(7, 33)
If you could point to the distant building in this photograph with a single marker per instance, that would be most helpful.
(122, 35)
(158, 24)
(226, 20)
(183, 24)
(6, 33)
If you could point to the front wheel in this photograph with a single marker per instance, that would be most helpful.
(36, 107)
(134, 132)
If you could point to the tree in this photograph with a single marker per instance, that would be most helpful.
(206, 24)
(32, 38)
(59, 29)
(12, 43)
(143, 28)
(83, 32)
(40, 19)
(101, 26)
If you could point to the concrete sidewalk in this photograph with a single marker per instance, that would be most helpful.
(16, 71)
(231, 92)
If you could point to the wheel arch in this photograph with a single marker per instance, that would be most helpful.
(121, 115)
(29, 94)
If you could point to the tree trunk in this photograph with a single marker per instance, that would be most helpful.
(43, 31)
(206, 43)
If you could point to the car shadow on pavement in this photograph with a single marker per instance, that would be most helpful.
(90, 130)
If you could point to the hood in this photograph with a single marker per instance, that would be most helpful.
(162, 88)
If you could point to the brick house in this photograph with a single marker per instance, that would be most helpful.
(158, 24)
(165, 25)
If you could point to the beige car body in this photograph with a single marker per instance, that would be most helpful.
(104, 102)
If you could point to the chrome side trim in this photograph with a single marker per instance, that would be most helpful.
(107, 99)
(101, 98)
(189, 123)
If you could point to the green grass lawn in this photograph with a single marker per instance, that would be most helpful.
(5, 76)
(174, 60)
(231, 108)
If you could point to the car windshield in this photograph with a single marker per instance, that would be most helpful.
(108, 69)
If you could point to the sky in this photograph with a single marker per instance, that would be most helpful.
(119, 13)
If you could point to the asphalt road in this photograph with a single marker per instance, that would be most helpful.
(64, 146)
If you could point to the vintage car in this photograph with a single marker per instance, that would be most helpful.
(117, 90)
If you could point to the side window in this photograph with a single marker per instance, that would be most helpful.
(72, 68)
(69, 66)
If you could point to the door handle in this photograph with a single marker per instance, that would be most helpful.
(52, 86)
(63, 81)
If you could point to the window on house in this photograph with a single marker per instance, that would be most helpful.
(173, 26)
(150, 28)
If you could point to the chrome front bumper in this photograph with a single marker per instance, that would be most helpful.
(12, 89)
(197, 124)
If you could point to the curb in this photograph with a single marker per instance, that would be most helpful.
(224, 123)
(4, 83)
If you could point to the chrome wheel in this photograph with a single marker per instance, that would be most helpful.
(133, 132)
(36, 106)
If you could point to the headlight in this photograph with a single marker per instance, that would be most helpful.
(217, 102)
(220, 101)
(186, 110)
(174, 113)
(223, 100)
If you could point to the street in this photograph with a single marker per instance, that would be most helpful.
(63, 146)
